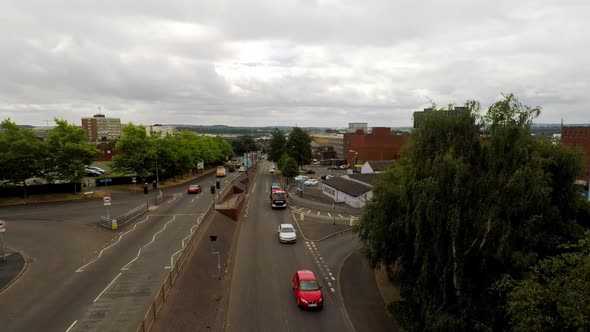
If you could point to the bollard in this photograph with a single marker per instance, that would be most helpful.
(114, 224)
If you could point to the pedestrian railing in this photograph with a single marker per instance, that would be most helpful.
(124, 218)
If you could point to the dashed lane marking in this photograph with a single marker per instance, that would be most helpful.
(69, 328)
(333, 291)
(318, 213)
(340, 216)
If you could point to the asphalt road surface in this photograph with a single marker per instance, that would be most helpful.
(75, 285)
(261, 295)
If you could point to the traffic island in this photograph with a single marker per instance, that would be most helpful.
(11, 268)
(314, 229)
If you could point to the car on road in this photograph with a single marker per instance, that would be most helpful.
(287, 233)
(327, 177)
(308, 293)
(241, 169)
(275, 185)
(194, 189)
(311, 182)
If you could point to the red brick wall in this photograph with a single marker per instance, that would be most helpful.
(381, 144)
(578, 137)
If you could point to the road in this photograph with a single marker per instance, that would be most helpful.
(85, 291)
(261, 297)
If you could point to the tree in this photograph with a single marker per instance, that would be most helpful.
(22, 155)
(459, 211)
(69, 153)
(277, 145)
(290, 168)
(556, 295)
(137, 152)
(299, 146)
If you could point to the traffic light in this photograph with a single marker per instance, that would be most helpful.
(212, 189)
(218, 184)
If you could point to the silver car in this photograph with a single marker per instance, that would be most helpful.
(287, 233)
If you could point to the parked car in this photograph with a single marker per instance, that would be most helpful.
(308, 293)
(92, 172)
(301, 178)
(308, 171)
(311, 182)
(241, 169)
(95, 168)
(327, 177)
(287, 233)
(272, 170)
(333, 167)
(194, 189)
(342, 167)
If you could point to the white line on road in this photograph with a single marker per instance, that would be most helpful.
(318, 213)
(193, 200)
(333, 278)
(126, 267)
(340, 216)
(109, 285)
(81, 269)
(172, 259)
(333, 291)
(329, 284)
(308, 211)
(330, 273)
(69, 328)
(329, 215)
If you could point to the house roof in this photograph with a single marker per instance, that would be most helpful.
(380, 165)
(347, 186)
(367, 178)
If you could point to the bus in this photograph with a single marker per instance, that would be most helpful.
(221, 172)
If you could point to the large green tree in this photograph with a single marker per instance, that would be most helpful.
(138, 152)
(299, 146)
(69, 153)
(555, 296)
(278, 144)
(461, 209)
(22, 155)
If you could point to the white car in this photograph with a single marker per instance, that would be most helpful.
(241, 169)
(272, 170)
(287, 233)
(301, 178)
(311, 182)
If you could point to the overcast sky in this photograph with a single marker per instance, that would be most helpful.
(288, 62)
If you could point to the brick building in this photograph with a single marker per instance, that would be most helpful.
(380, 144)
(579, 137)
(101, 129)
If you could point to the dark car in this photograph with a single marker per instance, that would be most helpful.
(308, 171)
(194, 189)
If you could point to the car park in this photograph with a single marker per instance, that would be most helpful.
(311, 182)
(194, 189)
(308, 293)
(287, 233)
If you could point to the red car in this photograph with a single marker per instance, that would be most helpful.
(308, 293)
(194, 189)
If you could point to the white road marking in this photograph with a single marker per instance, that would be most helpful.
(81, 269)
(308, 211)
(109, 285)
(69, 328)
(318, 213)
(126, 267)
(172, 259)
(330, 273)
(333, 291)
(340, 216)
(329, 215)
(329, 284)
(193, 200)
(333, 278)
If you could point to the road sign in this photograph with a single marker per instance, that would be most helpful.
(2, 223)
(2, 230)
(133, 179)
(106, 180)
(107, 199)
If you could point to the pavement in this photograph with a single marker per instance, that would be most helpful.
(11, 268)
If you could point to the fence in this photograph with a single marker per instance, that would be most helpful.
(124, 218)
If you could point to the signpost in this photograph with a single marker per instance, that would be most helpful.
(2, 230)
(134, 181)
(107, 203)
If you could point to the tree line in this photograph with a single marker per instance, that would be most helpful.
(482, 226)
(65, 153)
